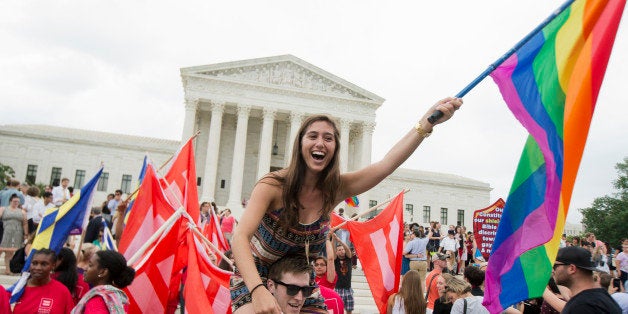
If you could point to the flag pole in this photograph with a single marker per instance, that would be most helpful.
(206, 241)
(439, 114)
(163, 228)
(128, 198)
(367, 211)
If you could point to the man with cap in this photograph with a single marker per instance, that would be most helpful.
(574, 269)
(440, 263)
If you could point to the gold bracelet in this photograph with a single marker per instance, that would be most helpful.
(422, 133)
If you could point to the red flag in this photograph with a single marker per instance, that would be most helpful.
(212, 231)
(336, 220)
(379, 245)
(149, 291)
(150, 210)
(180, 181)
(203, 276)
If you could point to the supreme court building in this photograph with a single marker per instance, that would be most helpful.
(248, 113)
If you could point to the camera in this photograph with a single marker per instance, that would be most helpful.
(616, 283)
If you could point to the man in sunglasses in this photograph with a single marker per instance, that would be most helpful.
(574, 269)
(289, 283)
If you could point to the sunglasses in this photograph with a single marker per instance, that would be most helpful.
(557, 264)
(292, 290)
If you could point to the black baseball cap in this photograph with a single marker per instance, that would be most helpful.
(575, 255)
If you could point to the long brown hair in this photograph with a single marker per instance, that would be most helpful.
(291, 179)
(412, 293)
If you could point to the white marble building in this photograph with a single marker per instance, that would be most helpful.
(247, 113)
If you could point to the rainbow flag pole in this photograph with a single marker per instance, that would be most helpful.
(437, 114)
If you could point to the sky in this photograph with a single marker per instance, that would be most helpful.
(113, 66)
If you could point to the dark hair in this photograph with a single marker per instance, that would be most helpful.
(291, 180)
(66, 270)
(119, 191)
(48, 252)
(552, 285)
(474, 275)
(47, 194)
(224, 264)
(32, 191)
(120, 275)
(294, 264)
(12, 197)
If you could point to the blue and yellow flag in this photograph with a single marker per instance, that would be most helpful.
(134, 195)
(55, 227)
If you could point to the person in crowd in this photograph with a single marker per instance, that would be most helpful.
(15, 230)
(469, 248)
(13, 187)
(227, 264)
(617, 293)
(449, 246)
(5, 306)
(48, 188)
(563, 241)
(416, 251)
(291, 207)
(326, 276)
(459, 292)
(107, 272)
(434, 244)
(31, 199)
(442, 305)
(43, 294)
(554, 298)
(113, 204)
(205, 208)
(40, 208)
(475, 277)
(461, 256)
(289, 283)
(66, 273)
(621, 263)
(60, 193)
(227, 223)
(575, 241)
(105, 203)
(344, 268)
(409, 299)
(440, 264)
(405, 262)
(87, 251)
(573, 268)
(94, 226)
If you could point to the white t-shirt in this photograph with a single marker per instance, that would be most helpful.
(449, 244)
(58, 194)
(474, 306)
(39, 209)
(623, 262)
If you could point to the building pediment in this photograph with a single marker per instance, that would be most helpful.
(282, 72)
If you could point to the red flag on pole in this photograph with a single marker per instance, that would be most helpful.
(150, 210)
(379, 246)
(207, 286)
(153, 272)
(212, 231)
(180, 181)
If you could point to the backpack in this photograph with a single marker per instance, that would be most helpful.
(17, 261)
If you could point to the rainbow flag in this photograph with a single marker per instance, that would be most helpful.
(551, 85)
(353, 201)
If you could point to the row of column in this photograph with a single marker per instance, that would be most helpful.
(265, 149)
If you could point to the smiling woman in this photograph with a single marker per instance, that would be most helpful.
(288, 212)
(43, 294)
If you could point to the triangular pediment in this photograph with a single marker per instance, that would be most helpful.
(285, 71)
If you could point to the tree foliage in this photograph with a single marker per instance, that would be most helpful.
(607, 218)
(6, 173)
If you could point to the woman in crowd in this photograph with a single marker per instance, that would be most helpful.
(434, 243)
(459, 292)
(15, 229)
(31, 198)
(442, 305)
(288, 212)
(67, 274)
(107, 272)
(326, 276)
(87, 251)
(43, 294)
(410, 298)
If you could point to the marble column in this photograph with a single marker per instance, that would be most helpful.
(367, 138)
(295, 123)
(213, 145)
(191, 106)
(266, 142)
(237, 166)
(345, 127)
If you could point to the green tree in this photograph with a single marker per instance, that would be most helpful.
(6, 173)
(608, 216)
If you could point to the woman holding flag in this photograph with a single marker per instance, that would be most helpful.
(288, 212)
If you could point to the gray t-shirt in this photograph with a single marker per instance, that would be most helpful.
(474, 306)
(417, 246)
